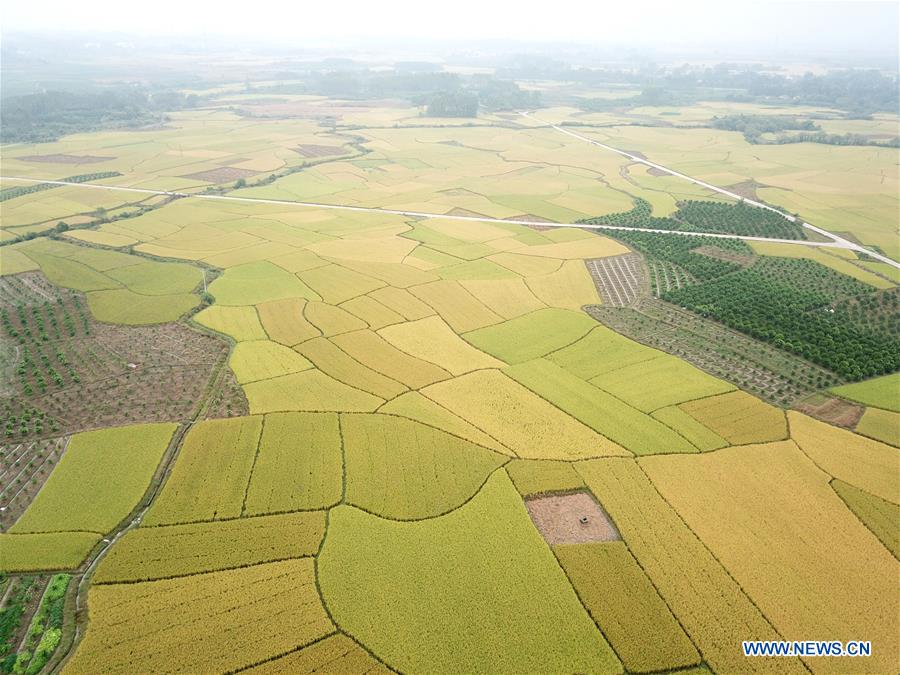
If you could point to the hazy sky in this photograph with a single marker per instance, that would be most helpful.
(828, 26)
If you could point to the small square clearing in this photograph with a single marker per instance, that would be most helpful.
(571, 519)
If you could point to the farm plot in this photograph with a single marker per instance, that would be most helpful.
(173, 624)
(763, 370)
(335, 654)
(878, 515)
(71, 373)
(375, 352)
(619, 279)
(746, 505)
(238, 323)
(336, 363)
(626, 606)
(488, 596)
(413, 405)
(257, 282)
(99, 480)
(881, 392)
(45, 550)
(543, 476)
(299, 464)
(708, 603)
(739, 418)
(629, 427)
(532, 335)
(432, 340)
(209, 480)
(860, 461)
(528, 425)
(120, 288)
(882, 425)
(168, 551)
(263, 360)
(24, 467)
(673, 381)
(310, 390)
(284, 321)
(404, 470)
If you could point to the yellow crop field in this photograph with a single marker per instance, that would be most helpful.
(403, 470)
(211, 473)
(133, 625)
(284, 322)
(600, 351)
(698, 435)
(397, 276)
(239, 323)
(626, 607)
(122, 306)
(657, 383)
(335, 283)
(374, 351)
(527, 266)
(369, 310)
(507, 297)
(335, 654)
(747, 504)
(432, 340)
(331, 320)
(415, 406)
(543, 476)
(45, 550)
(148, 553)
(263, 359)
(403, 302)
(310, 390)
(459, 308)
(882, 425)
(299, 464)
(739, 418)
(570, 287)
(257, 282)
(582, 249)
(99, 480)
(13, 261)
(333, 361)
(880, 516)
(477, 590)
(528, 425)
(708, 603)
(860, 461)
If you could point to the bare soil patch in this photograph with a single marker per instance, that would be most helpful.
(60, 158)
(831, 409)
(315, 150)
(225, 174)
(638, 153)
(531, 218)
(747, 189)
(653, 171)
(571, 519)
(70, 373)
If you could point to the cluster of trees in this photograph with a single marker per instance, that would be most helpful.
(787, 303)
(679, 250)
(43, 117)
(706, 216)
(802, 131)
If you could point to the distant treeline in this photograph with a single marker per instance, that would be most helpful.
(36, 118)
(442, 94)
(857, 91)
(807, 131)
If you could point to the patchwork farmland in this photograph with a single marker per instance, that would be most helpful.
(246, 431)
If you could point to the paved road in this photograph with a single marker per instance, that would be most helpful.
(835, 243)
(843, 243)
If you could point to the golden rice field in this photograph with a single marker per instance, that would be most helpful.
(410, 382)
